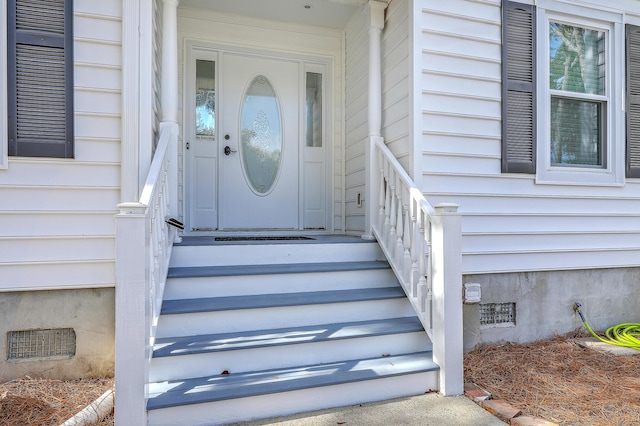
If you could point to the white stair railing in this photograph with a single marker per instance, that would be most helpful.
(143, 249)
(423, 246)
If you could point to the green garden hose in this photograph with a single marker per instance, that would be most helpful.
(624, 334)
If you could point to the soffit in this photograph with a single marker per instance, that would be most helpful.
(321, 13)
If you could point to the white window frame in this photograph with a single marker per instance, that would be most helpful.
(4, 123)
(612, 172)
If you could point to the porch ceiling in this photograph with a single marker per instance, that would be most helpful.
(322, 13)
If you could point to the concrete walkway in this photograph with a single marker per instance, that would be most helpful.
(424, 410)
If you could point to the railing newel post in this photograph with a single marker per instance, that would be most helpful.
(447, 297)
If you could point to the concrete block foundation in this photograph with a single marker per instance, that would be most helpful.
(544, 303)
(89, 312)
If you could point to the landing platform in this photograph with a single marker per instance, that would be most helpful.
(248, 238)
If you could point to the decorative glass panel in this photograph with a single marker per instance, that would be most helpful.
(313, 109)
(261, 135)
(205, 98)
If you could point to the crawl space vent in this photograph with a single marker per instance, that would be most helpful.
(39, 344)
(497, 314)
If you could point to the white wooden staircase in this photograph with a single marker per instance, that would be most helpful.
(256, 329)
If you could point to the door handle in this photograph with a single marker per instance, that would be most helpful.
(228, 150)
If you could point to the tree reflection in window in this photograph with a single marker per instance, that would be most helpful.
(205, 112)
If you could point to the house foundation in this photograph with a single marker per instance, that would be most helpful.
(542, 303)
(61, 334)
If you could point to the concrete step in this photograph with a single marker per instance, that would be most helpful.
(235, 397)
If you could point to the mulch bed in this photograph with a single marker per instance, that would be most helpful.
(41, 402)
(554, 379)
(560, 381)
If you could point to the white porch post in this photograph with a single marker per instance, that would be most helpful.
(447, 297)
(169, 98)
(131, 311)
(376, 24)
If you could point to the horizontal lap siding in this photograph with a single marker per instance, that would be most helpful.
(356, 126)
(510, 223)
(57, 216)
(396, 123)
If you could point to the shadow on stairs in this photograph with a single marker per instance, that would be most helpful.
(268, 328)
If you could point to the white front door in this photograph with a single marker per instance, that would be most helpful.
(254, 143)
(260, 138)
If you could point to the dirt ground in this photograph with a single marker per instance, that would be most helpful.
(560, 381)
(40, 402)
(555, 379)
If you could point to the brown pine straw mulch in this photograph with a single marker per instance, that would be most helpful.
(560, 381)
(42, 402)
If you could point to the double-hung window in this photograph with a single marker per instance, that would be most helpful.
(573, 105)
(39, 78)
(577, 95)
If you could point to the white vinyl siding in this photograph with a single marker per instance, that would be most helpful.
(396, 101)
(226, 32)
(510, 223)
(56, 215)
(157, 68)
(356, 113)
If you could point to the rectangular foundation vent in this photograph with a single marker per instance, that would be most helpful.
(498, 314)
(41, 344)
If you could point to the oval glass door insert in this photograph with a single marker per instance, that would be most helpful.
(261, 135)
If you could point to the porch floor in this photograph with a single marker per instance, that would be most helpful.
(256, 238)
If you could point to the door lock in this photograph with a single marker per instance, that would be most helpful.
(228, 150)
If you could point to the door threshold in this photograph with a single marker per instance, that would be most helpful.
(256, 233)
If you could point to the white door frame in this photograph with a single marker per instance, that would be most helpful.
(308, 63)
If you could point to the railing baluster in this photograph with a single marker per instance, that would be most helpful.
(406, 246)
(391, 240)
(387, 201)
(429, 273)
(415, 247)
(422, 283)
(381, 201)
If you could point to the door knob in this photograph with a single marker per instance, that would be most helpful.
(228, 150)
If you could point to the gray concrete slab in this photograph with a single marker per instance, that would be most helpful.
(424, 410)
(595, 344)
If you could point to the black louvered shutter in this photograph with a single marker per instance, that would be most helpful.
(40, 78)
(518, 88)
(633, 101)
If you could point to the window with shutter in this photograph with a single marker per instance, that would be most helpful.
(633, 101)
(518, 88)
(562, 76)
(40, 78)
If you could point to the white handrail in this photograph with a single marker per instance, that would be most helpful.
(143, 249)
(423, 247)
(155, 195)
(402, 226)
